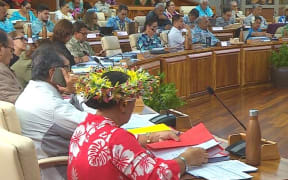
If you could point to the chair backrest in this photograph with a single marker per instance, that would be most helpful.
(18, 157)
(278, 32)
(186, 9)
(140, 19)
(111, 45)
(100, 16)
(102, 23)
(133, 41)
(245, 35)
(164, 38)
(8, 118)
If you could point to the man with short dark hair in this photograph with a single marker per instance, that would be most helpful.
(158, 13)
(118, 22)
(175, 37)
(226, 18)
(191, 18)
(5, 24)
(41, 20)
(45, 116)
(256, 11)
(10, 88)
(78, 44)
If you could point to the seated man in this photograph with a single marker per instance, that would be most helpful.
(103, 6)
(118, 22)
(42, 19)
(78, 46)
(44, 115)
(226, 18)
(10, 88)
(204, 9)
(255, 30)
(191, 18)
(256, 11)
(5, 24)
(175, 37)
(158, 13)
(200, 33)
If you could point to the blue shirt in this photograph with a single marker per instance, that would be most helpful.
(187, 21)
(37, 26)
(282, 19)
(144, 42)
(7, 26)
(250, 31)
(17, 16)
(207, 12)
(117, 24)
(199, 36)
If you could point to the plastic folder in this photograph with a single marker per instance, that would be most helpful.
(155, 128)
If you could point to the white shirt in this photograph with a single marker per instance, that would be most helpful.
(175, 38)
(48, 120)
(59, 15)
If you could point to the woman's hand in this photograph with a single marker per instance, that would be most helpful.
(164, 135)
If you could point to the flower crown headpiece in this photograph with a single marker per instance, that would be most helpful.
(93, 85)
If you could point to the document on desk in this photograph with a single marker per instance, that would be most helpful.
(139, 121)
(214, 171)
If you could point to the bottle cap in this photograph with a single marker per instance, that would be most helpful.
(253, 112)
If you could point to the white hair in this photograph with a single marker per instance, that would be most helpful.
(202, 1)
(233, 2)
(158, 5)
(199, 19)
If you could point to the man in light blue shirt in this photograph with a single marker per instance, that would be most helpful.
(256, 11)
(201, 32)
(118, 22)
(5, 24)
(43, 18)
(191, 17)
(204, 9)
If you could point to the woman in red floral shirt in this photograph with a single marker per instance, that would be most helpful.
(100, 149)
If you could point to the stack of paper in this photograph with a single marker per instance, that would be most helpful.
(225, 170)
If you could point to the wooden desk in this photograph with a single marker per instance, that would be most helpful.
(222, 68)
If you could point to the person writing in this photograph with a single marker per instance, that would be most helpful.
(99, 146)
(255, 30)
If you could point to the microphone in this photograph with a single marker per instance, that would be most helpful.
(211, 92)
(94, 59)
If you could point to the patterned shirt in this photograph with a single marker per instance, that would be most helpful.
(111, 2)
(207, 12)
(199, 36)
(37, 26)
(282, 19)
(7, 26)
(117, 24)
(250, 31)
(144, 42)
(248, 21)
(105, 8)
(220, 22)
(72, 7)
(17, 16)
(101, 150)
(76, 48)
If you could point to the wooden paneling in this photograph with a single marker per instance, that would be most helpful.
(199, 72)
(152, 67)
(227, 68)
(175, 70)
(50, 3)
(256, 68)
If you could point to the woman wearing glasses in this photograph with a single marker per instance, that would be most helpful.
(24, 14)
(91, 21)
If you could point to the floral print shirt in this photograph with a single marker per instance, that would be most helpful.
(101, 150)
(144, 42)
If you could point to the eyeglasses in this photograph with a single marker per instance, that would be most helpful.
(83, 33)
(20, 38)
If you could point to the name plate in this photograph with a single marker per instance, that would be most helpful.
(30, 41)
(217, 28)
(122, 33)
(91, 36)
(224, 43)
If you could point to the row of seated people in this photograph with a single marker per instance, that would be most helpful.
(50, 121)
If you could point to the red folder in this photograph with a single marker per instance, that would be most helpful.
(194, 136)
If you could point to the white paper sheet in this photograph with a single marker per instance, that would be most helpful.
(138, 121)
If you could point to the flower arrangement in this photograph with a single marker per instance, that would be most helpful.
(94, 85)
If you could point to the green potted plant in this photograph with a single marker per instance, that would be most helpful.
(279, 70)
(163, 97)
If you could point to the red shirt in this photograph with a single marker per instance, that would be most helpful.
(101, 150)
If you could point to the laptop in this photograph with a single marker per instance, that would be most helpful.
(106, 31)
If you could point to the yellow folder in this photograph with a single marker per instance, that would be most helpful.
(148, 129)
